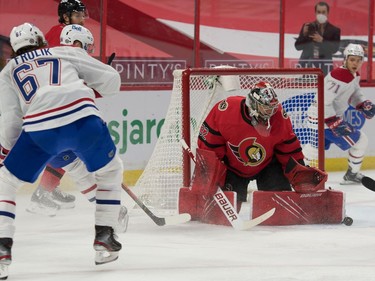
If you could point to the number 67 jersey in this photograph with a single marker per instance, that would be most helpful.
(51, 87)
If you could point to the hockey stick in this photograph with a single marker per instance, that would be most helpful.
(160, 221)
(111, 57)
(369, 183)
(188, 150)
(232, 215)
(227, 208)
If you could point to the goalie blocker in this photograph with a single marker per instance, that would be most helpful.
(312, 204)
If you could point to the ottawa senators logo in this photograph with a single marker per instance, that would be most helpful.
(249, 152)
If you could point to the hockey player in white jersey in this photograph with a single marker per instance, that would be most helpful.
(48, 198)
(76, 36)
(47, 107)
(342, 89)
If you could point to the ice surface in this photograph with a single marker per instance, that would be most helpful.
(60, 248)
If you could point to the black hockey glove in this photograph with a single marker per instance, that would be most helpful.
(367, 108)
(338, 126)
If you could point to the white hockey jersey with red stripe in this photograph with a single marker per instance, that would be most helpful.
(49, 88)
(341, 89)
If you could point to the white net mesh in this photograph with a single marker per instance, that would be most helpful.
(163, 176)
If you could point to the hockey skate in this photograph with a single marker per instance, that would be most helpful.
(63, 199)
(352, 178)
(123, 219)
(42, 203)
(106, 246)
(5, 256)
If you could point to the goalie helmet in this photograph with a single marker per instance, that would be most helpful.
(68, 7)
(262, 101)
(75, 32)
(25, 35)
(354, 50)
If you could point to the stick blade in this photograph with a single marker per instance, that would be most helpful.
(258, 220)
(369, 183)
(177, 219)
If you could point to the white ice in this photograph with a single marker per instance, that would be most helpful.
(60, 248)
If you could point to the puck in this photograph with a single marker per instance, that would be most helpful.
(348, 221)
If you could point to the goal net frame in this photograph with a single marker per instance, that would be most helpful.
(155, 177)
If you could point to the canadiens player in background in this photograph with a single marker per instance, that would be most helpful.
(254, 138)
(48, 197)
(342, 89)
(56, 113)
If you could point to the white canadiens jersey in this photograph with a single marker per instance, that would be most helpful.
(341, 89)
(49, 88)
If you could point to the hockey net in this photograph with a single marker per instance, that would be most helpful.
(196, 91)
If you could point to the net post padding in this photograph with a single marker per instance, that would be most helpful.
(194, 93)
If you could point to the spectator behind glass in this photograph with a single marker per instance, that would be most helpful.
(318, 40)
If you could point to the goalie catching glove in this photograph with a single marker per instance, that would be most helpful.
(304, 179)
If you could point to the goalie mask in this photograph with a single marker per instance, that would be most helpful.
(262, 102)
(26, 35)
(74, 32)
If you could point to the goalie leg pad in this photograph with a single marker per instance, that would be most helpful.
(204, 208)
(322, 207)
(188, 203)
(209, 173)
(212, 214)
(197, 200)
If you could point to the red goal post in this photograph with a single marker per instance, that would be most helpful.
(196, 90)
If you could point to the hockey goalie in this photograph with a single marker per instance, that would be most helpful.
(251, 138)
(307, 203)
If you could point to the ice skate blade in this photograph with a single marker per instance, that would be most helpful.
(36, 208)
(349, 183)
(3, 271)
(69, 205)
(102, 257)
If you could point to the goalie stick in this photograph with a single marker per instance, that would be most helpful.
(232, 215)
(227, 208)
(368, 182)
(160, 221)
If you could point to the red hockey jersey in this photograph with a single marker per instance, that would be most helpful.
(229, 132)
(53, 35)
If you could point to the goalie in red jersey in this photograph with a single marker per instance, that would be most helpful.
(251, 138)
(254, 138)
